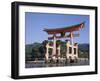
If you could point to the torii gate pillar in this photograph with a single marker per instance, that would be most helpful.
(54, 47)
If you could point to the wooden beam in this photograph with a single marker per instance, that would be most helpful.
(67, 36)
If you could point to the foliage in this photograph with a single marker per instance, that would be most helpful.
(38, 50)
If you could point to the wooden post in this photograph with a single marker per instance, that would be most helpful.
(47, 52)
(71, 37)
(54, 47)
(58, 52)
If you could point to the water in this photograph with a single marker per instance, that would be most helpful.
(32, 64)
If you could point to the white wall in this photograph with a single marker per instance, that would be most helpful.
(5, 40)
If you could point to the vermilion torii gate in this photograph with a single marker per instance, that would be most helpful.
(66, 32)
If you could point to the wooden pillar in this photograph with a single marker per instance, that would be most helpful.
(67, 47)
(71, 38)
(72, 45)
(59, 50)
(54, 45)
(47, 52)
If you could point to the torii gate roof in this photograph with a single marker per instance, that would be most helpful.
(65, 29)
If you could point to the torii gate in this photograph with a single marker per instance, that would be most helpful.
(62, 31)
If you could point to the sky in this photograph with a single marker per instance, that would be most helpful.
(36, 22)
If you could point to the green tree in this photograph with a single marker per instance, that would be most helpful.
(42, 51)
